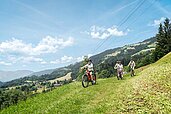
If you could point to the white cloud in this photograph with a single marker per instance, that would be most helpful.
(64, 59)
(51, 45)
(5, 63)
(103, 33)
(24, 59)
(55, 62)
(69, 59)
(46, 45)
(78, 59)
(17, 51)
(13, 59)
(43, 62)
(157, 22)
(30, 59)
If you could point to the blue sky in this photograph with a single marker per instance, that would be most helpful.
(41, 34)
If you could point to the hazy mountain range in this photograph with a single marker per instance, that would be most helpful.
(10, 75)
(48, 71)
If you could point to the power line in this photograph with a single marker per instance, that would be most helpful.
(147, 8)
(102, 42)
(124, 21)
(132, 13)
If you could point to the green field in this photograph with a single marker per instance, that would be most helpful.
(148, 92)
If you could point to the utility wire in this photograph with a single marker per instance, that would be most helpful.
(146, 9)
(118, 24)
(124, 21)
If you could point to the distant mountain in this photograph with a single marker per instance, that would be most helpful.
(1, 83)
(127, 50)
(49, 71)
(56, 73)
(108, 57)
(10, 75)
(124, 54)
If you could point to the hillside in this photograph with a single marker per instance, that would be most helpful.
(137, 51)
(1, 83)
(66, 77)
(125, 51)
(39, 73)
(148, 92)
(21, 81)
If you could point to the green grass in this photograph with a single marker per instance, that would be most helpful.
(148, 92)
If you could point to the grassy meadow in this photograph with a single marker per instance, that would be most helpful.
(147, 92)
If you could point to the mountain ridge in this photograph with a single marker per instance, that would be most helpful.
(42, 72)
(125, 51)
(10, 75)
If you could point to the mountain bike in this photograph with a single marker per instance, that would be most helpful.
(132, 72)
(86, 79)
(120, 75)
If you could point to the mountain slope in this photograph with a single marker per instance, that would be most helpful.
(43, 72)
(45, 77)
(127, 50)
(148, 92)
(137, 50)
(1, 83)
(10, 75)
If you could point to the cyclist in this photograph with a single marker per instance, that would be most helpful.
(132, 67)
(119, 67)
(90, 68)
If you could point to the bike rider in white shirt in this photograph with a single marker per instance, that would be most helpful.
(132, 67)
(119, 67)
(90, 68)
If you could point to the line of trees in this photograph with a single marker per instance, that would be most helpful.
(163, 36)
(11, 97)
(163, 45)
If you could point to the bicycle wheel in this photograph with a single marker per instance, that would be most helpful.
(85, 81)
(95, 81)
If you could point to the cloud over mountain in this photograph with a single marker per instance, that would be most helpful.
(16, 50)
(103, 33)
(48, 44)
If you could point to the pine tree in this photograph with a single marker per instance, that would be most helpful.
(163, 40)
(169, 37)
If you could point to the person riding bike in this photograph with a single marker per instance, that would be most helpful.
(90, 68)
(132, 67)
(119, 67)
